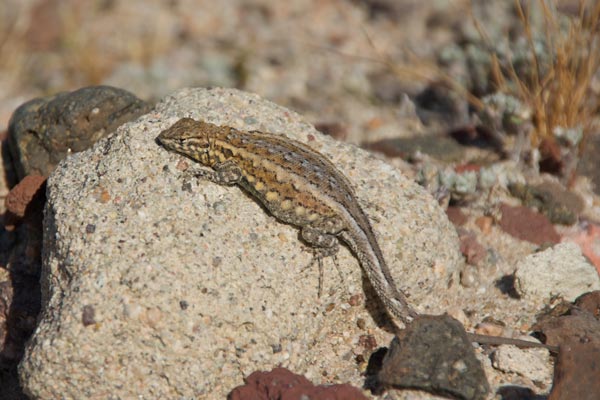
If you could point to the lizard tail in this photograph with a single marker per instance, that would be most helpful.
(372, 262)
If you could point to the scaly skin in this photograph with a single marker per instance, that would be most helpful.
(297, 185)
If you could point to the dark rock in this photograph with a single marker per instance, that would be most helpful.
(510, 392)
(368, 342)
(506, 284)
(393, 10)
(477, 136)
(88, 315)
(439, 147)
(20, 295)
(551, 159)
(563, 199)
(438, 104)
(43, 131)
(551, 199)
(6, 296)
(576, 329)
(588, 164)
(526, 224)
(434, 354)
(336, 130)
(280, 384)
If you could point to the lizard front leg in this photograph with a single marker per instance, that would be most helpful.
(227, 173)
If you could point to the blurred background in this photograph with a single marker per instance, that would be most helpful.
(359, 70)
(347, 65)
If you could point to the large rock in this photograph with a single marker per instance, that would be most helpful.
(158, 288)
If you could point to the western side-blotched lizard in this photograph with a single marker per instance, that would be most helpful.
(297, 185)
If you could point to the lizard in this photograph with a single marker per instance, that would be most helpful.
(298, 186)
(301, 187)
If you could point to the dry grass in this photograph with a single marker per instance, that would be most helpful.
(563, 57)
(557, 88)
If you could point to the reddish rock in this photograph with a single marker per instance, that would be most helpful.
(282, 384)
(27, 195)
(459, 169)
(576, 330)
(456, 216)
(485, 224)
(579, 326)
(473, 251)
(526, 224)
(576, 372)
(588, 240)
(590, 302)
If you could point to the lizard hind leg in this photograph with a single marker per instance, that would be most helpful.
(323, 245)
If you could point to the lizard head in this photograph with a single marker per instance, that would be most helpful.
(188, 137)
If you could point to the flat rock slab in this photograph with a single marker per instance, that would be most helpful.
(158, 287)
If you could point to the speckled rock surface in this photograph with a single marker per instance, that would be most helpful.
(155, 287)
(561, 270)
(531, 363)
